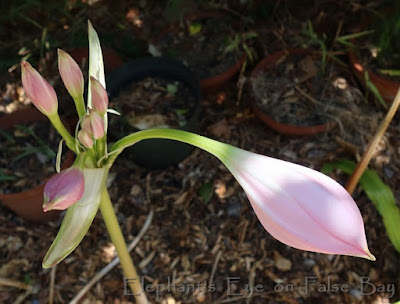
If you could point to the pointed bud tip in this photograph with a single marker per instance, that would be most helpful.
(369, 255)
(61, 52)
(46, 264)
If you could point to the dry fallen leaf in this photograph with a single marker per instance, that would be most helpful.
(143, 122)
(308, 66)
(220, 129)
(282, 263)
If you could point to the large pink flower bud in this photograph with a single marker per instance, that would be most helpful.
(299, 206)
(71, 74)
(99, 97)
(39, 91)
(64, 189)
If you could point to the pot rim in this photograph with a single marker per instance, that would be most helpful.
(211, 83)
(148, 153)
(387, 87)
(288, 129)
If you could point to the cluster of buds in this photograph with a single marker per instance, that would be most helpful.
(67, 187)
(92, 124)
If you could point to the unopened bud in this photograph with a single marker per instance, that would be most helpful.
(85, 139)
(71, 74)
(64, 189)
(99, 97)
(93, 125)
(39, 91)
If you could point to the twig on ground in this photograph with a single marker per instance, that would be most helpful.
(308, 96)
(214, 267)
(21, 298)
(13, 283)
(17, 284)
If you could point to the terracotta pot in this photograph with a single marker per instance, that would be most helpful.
(264, 65)
(111, 58)
(28, 204)
(387, 87)
(212, 83)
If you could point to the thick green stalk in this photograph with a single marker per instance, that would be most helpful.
(59, 126)
(101, 147)
(117, 238)
(214, 147)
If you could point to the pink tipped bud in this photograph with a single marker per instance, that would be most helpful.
(300, 207)
(97, 124)
(64, 189)
(93, 125)
(86, 126)
(85, 139)
(39, 91)
(71, 74)
(99, 96)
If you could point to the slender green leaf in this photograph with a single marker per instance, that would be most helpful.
(7, 136)
(390, 72)
(206, 191)
(374, 90)
(353, 36)
(4, 177)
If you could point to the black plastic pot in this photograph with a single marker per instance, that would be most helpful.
(157, 153)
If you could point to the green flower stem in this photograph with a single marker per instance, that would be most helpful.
(80, 105)
(214, 147)
(117, 238)
(57, 123)
(101, 147)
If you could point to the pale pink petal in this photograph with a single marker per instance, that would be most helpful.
(97, 125)
(39, 91)
(299, 206)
